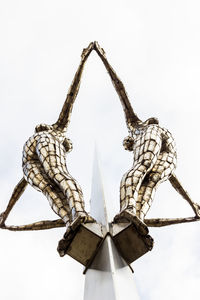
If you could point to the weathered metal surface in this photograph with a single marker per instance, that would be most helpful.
(108, 276)
(154, 160)
(44, 163)
(129, 242)
(85, 243)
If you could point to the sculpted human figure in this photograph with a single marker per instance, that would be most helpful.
(154, 161)
(44, 167)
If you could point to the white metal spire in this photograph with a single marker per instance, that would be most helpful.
(108, 277)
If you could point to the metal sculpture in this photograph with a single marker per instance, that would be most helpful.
(44, 168)
(154, 162)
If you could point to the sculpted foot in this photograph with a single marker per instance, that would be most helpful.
(66, 241)
(81, 218)
(127, 215)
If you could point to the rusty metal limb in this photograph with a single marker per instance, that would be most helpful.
(179, 188)
(165, 222)
(131, 117)
(64, 117)
(18, 191)
(41, 225)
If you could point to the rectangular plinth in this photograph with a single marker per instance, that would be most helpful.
(85, 243)
(129, 242)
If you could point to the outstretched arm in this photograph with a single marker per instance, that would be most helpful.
(18, 191)
(131, 117)
(64, 117)
(41, 225)
(61, 124)
(179, 188)
(159, 222)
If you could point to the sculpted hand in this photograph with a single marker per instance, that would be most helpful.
(86, 51)
(197, 209)
(2, 220)
(99, 50)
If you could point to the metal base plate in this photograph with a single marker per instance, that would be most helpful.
(86, 243)
(129, 242)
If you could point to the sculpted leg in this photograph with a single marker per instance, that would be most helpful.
(146, 151)
(146, 148)
(160, 172)
(36, 176)
(52, 158)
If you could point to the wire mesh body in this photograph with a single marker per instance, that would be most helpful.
(154, 161)
(44, 165)
(44, 168)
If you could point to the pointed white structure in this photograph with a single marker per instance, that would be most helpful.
(108, 277)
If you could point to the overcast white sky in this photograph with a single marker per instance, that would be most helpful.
(154, 47)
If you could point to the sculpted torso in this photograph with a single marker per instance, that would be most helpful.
(154, 161)
(44, 167)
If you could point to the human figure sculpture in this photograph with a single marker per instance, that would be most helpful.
(154, 161)
(44, 167)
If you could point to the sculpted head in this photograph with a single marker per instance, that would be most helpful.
(149, 121)
(43, 127)
(46, 127)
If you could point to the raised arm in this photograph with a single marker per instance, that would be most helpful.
(64, 117)
(131, 117)
(132, 120)
(61, 124)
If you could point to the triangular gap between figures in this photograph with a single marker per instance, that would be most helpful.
(110, 205)
(26, 209)
(168, 203)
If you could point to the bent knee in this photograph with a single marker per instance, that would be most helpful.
(147, 159)
(155, 177)
(147, 163)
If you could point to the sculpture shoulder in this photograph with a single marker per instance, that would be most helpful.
(67, 143)
(168, 143)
